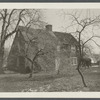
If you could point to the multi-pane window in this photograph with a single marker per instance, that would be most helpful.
(74, 60)
(73, 48)
(64, 47)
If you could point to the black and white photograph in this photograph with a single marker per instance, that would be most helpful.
(49, 50)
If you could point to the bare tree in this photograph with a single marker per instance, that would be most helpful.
(30, 44)
(10, 20)
(81, 26)
(32, 60)
(35, 47)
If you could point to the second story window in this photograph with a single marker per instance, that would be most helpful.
(58, 48)
(73, 48)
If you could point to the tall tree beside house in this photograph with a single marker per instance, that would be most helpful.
(10, 19)
(80, 26)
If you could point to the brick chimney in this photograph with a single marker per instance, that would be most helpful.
(49, 27)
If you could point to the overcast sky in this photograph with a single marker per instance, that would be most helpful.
(59, 21)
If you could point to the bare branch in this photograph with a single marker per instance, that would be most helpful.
(95, 42)
(88, 40)
(76, 19)
(16, 27)
(9, 20)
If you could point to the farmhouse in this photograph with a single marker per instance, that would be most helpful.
(60, 50)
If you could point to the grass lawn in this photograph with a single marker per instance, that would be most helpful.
(49, 82)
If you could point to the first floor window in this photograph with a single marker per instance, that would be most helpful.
(74, 60)
(73, 49)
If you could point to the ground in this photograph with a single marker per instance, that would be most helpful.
(13, 82)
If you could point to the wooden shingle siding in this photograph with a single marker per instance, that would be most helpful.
(57, 44)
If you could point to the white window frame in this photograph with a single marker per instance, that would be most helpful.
(73, 48)
(74, 60)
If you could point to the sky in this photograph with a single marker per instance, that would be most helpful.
(60, 20)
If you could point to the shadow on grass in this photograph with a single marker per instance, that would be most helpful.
(48, 77)
(36, 77)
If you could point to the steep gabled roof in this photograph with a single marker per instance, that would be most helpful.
(29, 33)
(65, 38)
(43, 36)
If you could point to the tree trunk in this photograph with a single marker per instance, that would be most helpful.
(1, 59)
(37, 67)
(31, 71)
(82, 77)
